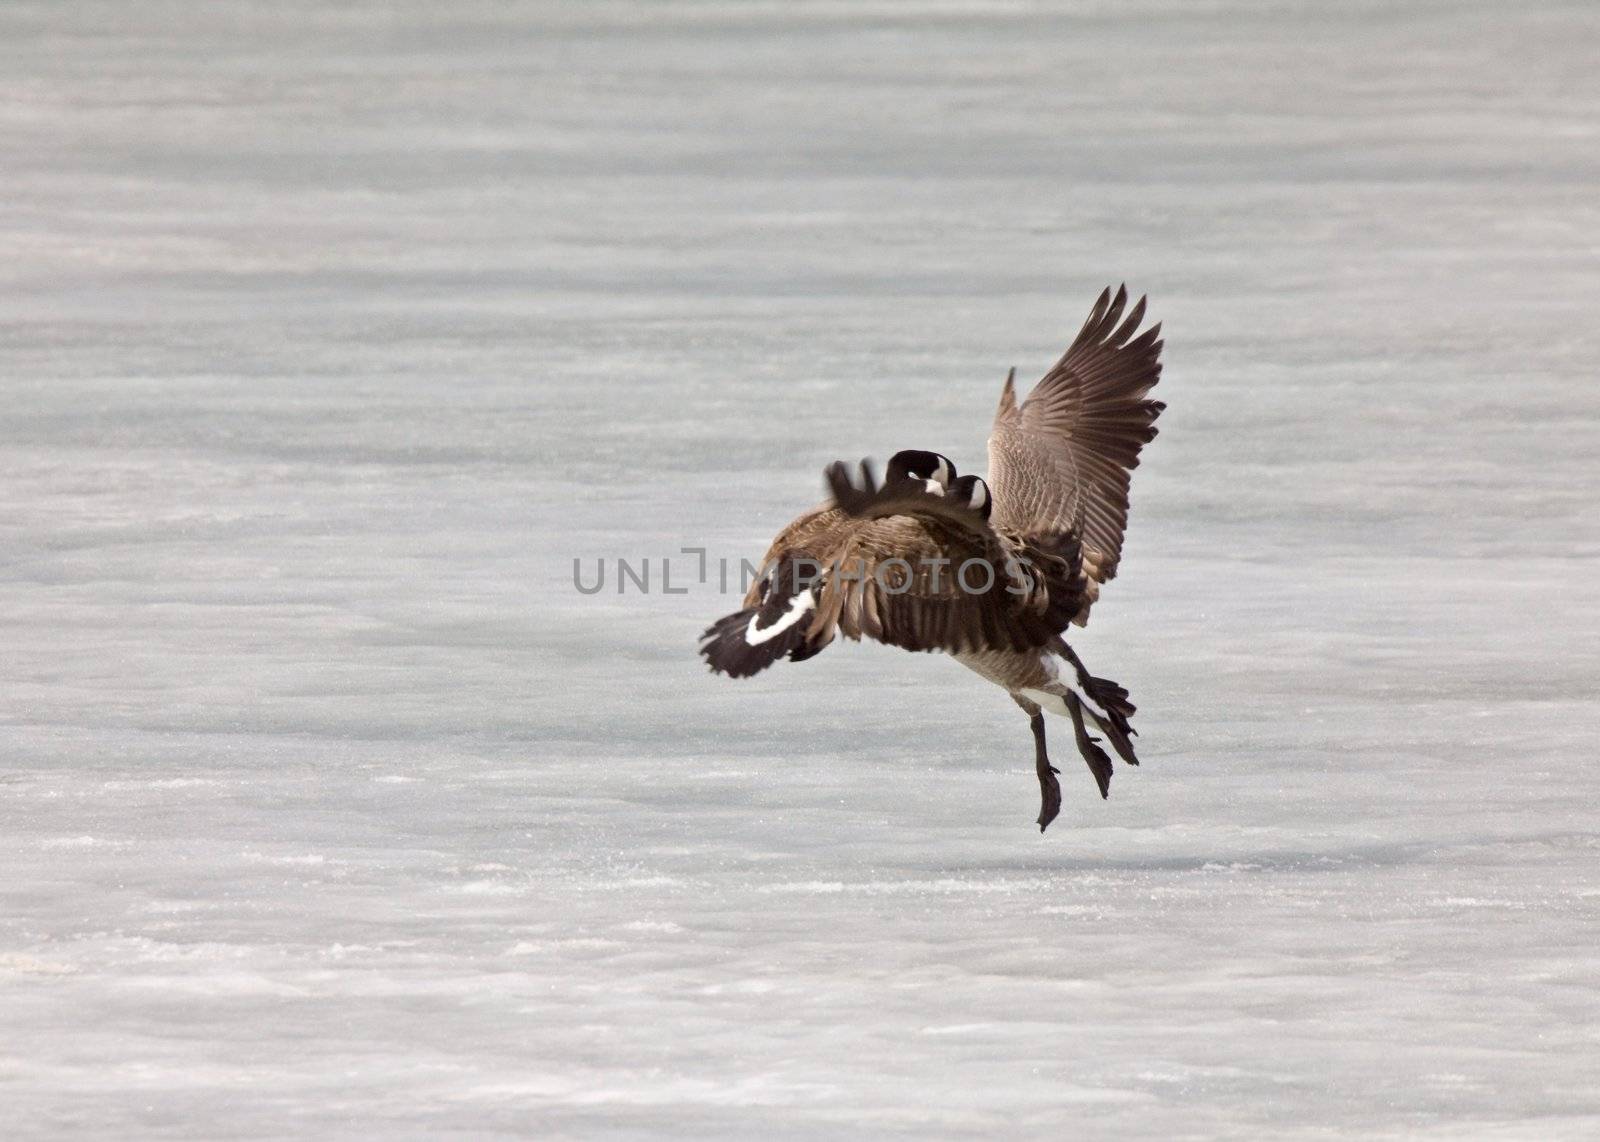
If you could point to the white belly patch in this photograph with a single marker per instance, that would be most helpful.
(1055, 703)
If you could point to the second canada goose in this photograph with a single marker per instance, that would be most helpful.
(992, 572)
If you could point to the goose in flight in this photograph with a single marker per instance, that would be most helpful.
(992, 572)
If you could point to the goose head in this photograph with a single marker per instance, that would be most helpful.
(929, 469)
(973, 493)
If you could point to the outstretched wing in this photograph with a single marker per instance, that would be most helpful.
(918, 571)
(1062, 461)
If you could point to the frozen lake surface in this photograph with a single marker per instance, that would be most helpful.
(329, 338)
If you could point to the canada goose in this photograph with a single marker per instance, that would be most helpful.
(990, 572)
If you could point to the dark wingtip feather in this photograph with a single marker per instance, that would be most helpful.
(1098, 311)
(1129, 325)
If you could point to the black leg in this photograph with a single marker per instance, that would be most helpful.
(1114, 700)
(1049, 787)
(1099, 763)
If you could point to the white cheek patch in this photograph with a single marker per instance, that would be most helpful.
(799, 607)
(934, 487)
(942, 473)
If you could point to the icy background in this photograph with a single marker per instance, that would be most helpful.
(329, 337)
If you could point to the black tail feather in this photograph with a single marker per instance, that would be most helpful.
(1107, 695)
(1113, 699)
(748, 641)
(726, 652)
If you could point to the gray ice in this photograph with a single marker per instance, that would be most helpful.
(331, 335)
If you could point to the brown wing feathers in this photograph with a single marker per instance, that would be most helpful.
(891, 556)
(1062, 461)
(918, 571)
